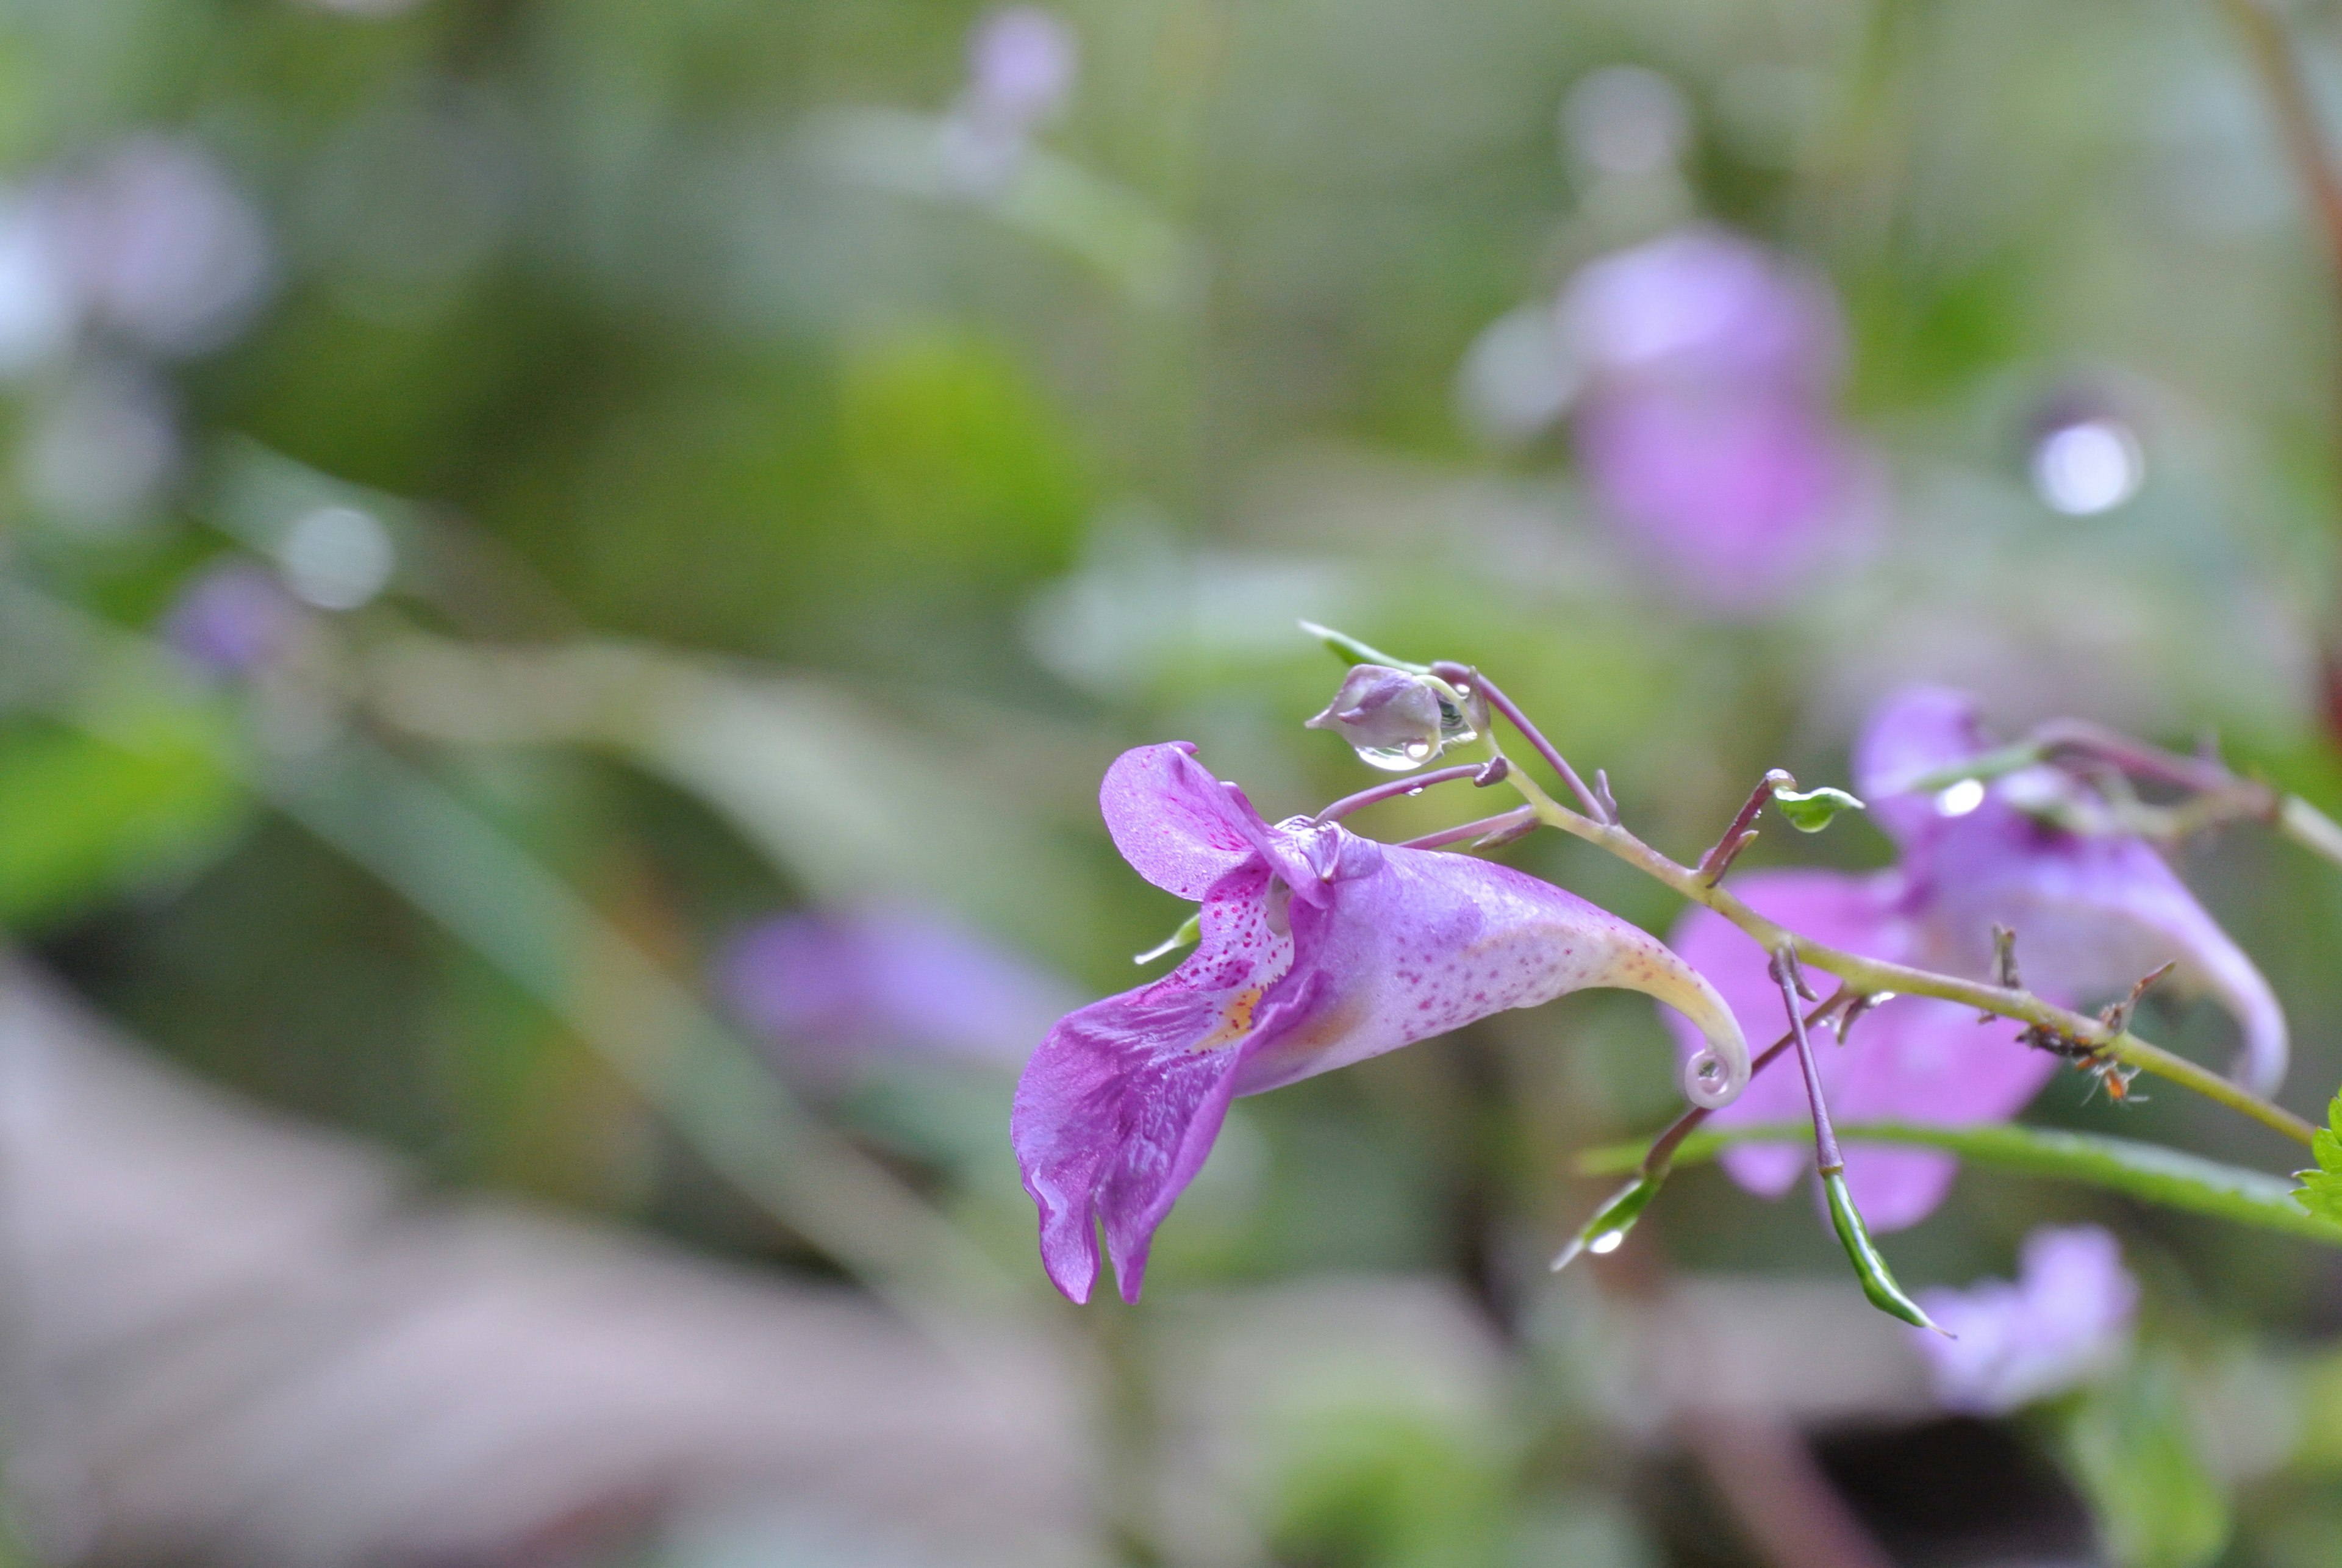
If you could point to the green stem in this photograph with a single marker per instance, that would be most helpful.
(1871, 975)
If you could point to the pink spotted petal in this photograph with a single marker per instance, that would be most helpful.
(1428, 943)
(1118, 1109)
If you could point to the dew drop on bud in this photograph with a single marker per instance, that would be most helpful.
(1395, 719)
(1608, 1241)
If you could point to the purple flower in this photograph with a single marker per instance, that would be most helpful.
(1395, 720)
(2066, 1320)
(232, 619)
(162, 246)
(892, 981)
(1704, 428)
(1020, 67)
(2093, 913)
(1021, 64)
(1319, 949)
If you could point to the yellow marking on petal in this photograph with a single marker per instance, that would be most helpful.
(1236, 1022)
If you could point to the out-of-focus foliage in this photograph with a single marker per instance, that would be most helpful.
(2321, 1185)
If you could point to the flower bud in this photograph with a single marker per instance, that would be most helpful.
(1395, 720)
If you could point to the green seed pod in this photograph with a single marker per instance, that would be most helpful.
(1878, 1280)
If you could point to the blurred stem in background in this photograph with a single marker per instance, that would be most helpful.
(2277, 65)
(458, 868)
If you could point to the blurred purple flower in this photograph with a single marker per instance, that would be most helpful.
(1319, 949)
(232, 619)
(1705, 427)
(160, 245)
(2093, 913)
(835, 989)
(1021, 66)
(2066, 1320)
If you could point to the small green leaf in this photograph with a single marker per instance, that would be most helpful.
(1812, 811)
(1612, 1221)
(1351, 651)
(2147, 1172)
(1869, 1266)
(2132, 1445)
(2321, 1187)
(141, 797)
(1190, 932)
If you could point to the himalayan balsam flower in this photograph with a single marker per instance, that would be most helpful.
(1021, 66)
(885, 981)
(233, 620)
(1319, 949)
(2066, 1321)
(1704, 429)
(2093, 913)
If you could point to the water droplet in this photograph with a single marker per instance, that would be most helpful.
(1454, 729)
(1959, 799)
(1607, 1242)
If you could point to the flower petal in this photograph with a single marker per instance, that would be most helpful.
(1119, 1106)
(1844, 911)
(1913, 733)
(1912, 1059)
(1735, 498)
(1917, 1059)
(1427, 943)
(1179, 827)
(2093, 913)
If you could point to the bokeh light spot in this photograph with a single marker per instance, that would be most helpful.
(337, 558)
(2088, 467)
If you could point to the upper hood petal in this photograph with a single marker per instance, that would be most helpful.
(1179, 827)
(2093, 913)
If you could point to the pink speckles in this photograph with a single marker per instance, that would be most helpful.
(1293, 976)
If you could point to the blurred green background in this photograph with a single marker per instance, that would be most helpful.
(758, 510)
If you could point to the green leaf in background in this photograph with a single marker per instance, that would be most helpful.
(1812, 811)
(965, 473)
(2131, 1445)
(89, 813)
(1384, 1485)
(2321, 1187)
(2147, 1172)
